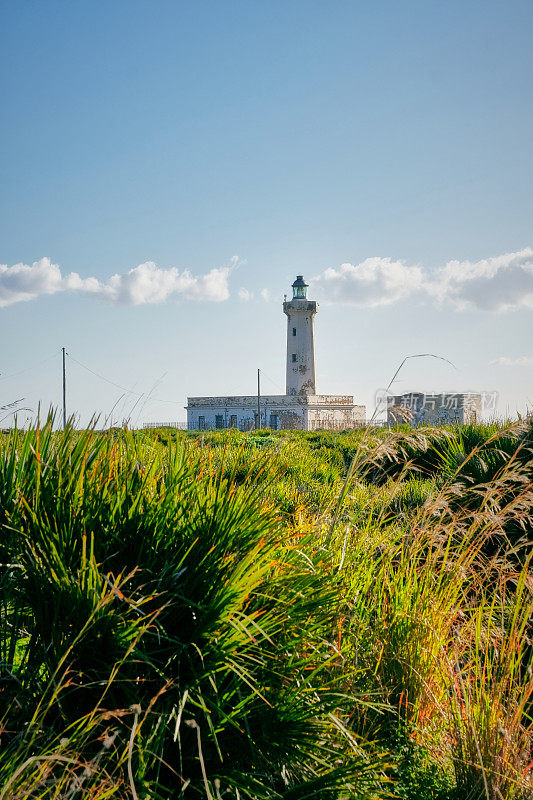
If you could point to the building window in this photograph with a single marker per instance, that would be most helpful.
(294, 358)
(219, 421)
(274, 421)
(294, 331)
(233, 421)
(201, 423)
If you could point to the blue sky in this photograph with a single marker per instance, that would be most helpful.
(246, 142)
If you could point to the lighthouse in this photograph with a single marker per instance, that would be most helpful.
(301, 374)
(300, 408)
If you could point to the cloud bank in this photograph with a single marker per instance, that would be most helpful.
(373, 282)
(146, 283)
(501, 283)
(494, 284)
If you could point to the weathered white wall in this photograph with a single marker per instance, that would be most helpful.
(301, 371)
(245, 410)
(304, 412)
(418, 408)
(335, 419)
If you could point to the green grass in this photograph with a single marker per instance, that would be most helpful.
(266, 615)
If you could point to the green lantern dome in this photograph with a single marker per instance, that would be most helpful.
(299, 288)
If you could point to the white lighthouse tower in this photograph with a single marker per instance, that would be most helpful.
(300, 407)
(301, 376)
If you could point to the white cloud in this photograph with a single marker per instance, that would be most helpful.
(245, 295)
(146, 283)
(22, 282)
(374, 282)
(493, 284)
(501, 283)
(521, 361)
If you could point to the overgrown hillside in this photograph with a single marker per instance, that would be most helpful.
(266, 615)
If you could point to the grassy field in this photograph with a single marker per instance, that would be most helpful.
(266, 615)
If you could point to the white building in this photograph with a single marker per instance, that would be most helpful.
(419, 408)
(300, 407)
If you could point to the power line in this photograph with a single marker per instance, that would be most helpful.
(29, 369)
(102, 377)
(118, 386)
(272, 381)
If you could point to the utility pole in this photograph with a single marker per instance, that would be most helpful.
(258, 399)
(64, 392)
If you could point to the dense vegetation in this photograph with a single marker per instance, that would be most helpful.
(266, 615)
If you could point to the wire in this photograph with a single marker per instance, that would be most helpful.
(118, 386)
(28, 369)
(102, 377)
(262, 371)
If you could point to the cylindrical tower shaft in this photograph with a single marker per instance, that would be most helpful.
(301, 376)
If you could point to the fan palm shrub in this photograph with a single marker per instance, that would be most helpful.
(160, 635)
